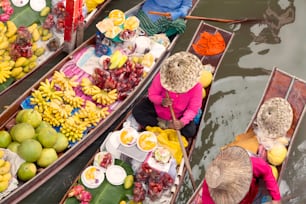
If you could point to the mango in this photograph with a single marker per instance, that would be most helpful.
(45, 11)
(128, 181)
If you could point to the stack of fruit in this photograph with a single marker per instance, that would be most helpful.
(119, 72)
(116, 24)
(34, 140)
(5, 172)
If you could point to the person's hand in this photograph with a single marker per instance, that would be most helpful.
(276, 202)
(166, 102)
(176, 124)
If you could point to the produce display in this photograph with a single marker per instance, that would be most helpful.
(22, 45)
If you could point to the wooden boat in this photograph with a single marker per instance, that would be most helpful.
(48, 56)
(171, 195)
(7, 117)
(291, 88)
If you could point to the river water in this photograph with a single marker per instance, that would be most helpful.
(257, 47)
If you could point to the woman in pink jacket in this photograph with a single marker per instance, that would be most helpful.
(233, 177)
(178, 79)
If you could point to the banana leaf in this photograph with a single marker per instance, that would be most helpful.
(8, 82)
(25, 16)
(108, 193)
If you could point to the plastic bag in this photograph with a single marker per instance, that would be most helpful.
(168, 138)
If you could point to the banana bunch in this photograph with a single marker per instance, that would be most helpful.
(60, 110)
(73, 128)
(88, 87)
(102, 112)
(91, 114)
(49, 91)
(71, 98)
(5, 71)
(106, 98)
(48, 116)
(64, 82)
(39, 102)
(5, 172)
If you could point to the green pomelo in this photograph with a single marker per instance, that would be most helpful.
(26, 171)
(19, 115)
(29, 150)
(47, 157)
(47, 136)
(13, 146)
(43, 124)
(22, 131)
(5, 138)
(31, 116)
(61, 143)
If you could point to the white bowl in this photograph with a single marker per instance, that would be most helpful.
(115, 175)
(92, 177)
(147, 141)
(128, 136)
(38, 5)
(100, 156)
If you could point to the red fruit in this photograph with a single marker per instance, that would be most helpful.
(84, 196)
(76, 190)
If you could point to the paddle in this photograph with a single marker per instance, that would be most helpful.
(183, 149)
(205, 18)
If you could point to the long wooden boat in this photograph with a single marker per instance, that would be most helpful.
(48, 56)
(119, 108)
(291, 88)
(170, 196)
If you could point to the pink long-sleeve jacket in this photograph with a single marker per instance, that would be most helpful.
(261, 170)
(185, 105)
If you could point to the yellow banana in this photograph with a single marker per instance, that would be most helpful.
(2, 162)
(3, 185)
(1, 153)
(5, 168)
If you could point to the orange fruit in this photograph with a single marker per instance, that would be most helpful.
(117, 16)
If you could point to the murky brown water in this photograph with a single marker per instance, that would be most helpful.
(256, 48)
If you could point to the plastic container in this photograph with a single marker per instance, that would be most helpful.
(92, 177)
(115, 175)
(98, 160)
(128, 136)
(147, 141)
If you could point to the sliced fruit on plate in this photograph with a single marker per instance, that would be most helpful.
(131, 23)
(92, 177)
(147, 141)
(113, 32)
(105, 25)
(128, 136)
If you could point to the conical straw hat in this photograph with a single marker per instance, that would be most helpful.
(229, 176)
(180, 72)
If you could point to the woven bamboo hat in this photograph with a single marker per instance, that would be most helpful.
(180, 72)
(274, 117)
(229, 176)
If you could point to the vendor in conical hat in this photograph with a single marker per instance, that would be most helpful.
(233, 176)
(178, 79)
(273, 121)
